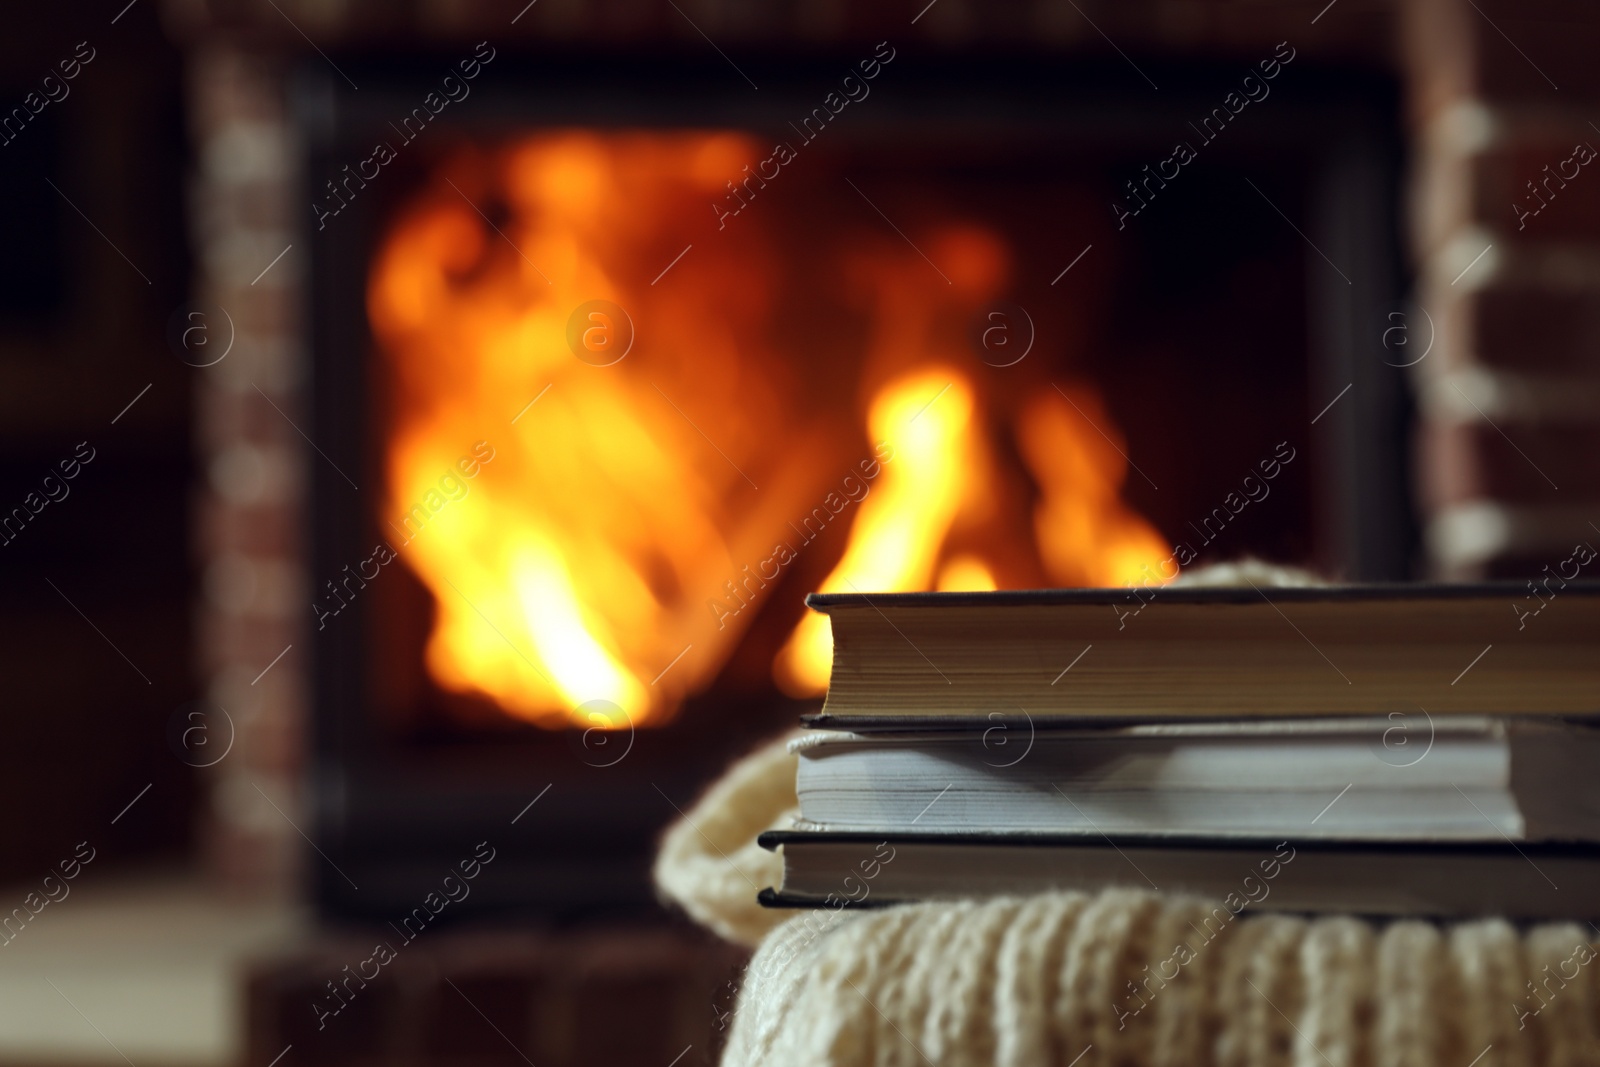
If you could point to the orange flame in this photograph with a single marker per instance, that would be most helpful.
(575, 565)
(1086, 534)
(894, 543)
(576, 568)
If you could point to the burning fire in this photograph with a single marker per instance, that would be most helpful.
(1086, 535)
(576, 566)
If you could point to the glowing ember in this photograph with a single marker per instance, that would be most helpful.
(577, 565)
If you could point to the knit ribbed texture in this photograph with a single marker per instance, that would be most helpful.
(1039, 980)
(709, 863)
(1049, 978)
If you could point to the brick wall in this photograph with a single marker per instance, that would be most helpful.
(250, 507)
(1509, 397)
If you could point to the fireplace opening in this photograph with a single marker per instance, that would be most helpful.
(620, 382)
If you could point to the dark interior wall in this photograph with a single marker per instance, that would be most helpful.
(96, 586)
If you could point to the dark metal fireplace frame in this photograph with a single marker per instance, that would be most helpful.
(393, 823)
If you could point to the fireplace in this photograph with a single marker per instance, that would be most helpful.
(607, 375)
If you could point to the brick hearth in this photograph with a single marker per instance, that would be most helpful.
(615, 996)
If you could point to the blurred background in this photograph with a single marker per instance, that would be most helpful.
(422, 422)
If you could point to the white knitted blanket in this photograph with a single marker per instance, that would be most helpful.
(1123, 977)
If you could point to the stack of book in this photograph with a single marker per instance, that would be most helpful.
(1377, 750)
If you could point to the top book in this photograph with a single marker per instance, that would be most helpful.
(904, 660)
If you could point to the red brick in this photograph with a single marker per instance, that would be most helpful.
(1461, 462)
(485, 1016)
(617, 996)
(282, 1012)
(230, 415)
(267, 530)
(1522, 47)
(1563, 211)
(252, 864)
(250, 641)
(1532, 330)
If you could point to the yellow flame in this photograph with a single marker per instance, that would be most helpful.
(580, 664)
(576, 562)
(926, 418)
(1087, 535)
(577, 565)
(966, 574)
